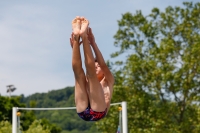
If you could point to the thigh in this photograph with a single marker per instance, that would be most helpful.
(96, 95)
(81, 95)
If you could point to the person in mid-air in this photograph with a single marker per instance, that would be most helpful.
(93, 88)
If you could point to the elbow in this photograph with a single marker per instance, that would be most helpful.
(113, 80)
(103, 65)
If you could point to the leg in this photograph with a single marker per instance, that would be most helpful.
(81, 96)
(96, 95)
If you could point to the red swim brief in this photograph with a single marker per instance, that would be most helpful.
(90, 115)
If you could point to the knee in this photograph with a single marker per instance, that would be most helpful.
(90, 64)
(76, 65)
(77, 69)
(79, 75)
(91, 75)
(90, 71)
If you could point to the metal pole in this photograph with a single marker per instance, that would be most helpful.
(14, 120)
(120, 120)
(124, 118)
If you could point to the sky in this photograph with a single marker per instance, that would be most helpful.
(35, 53)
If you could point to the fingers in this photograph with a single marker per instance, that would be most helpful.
(80, 42)
(90, 31)
(71, 41)
(72, 35)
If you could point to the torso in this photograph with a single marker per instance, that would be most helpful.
(108, 90)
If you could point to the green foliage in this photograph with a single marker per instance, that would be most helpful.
(160, 76)
(27, 117)
(6, 105)
(5, 127)
(52, 127)
(36, 127)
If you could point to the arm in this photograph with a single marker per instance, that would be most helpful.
(76, 56)
(108, 75)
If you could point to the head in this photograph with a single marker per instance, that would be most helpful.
(99, 72)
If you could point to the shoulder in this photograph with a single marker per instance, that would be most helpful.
(109, 82)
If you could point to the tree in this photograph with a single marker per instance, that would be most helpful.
(26, 118)
(6, 105)
(160, 77)
(37, 127)
(5, 127)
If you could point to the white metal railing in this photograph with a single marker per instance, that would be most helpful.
(124, 115)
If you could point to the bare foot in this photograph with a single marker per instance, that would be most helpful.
(84, 26)
(76, 26)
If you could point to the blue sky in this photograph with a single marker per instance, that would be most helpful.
(34, 38)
